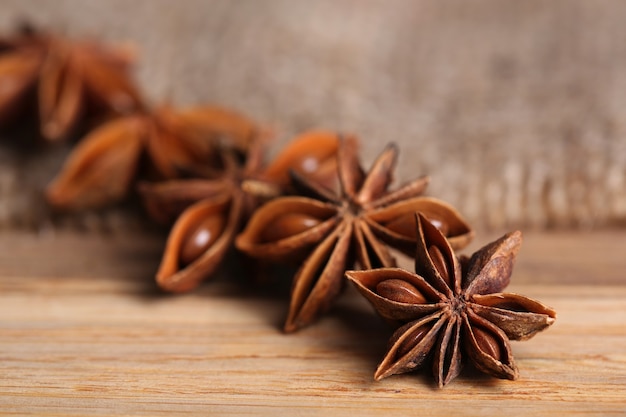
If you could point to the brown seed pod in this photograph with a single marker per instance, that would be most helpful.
(74, 80)
(463, 309)
(170, 139)
(350, 226)
(193, 251)
(198, 241)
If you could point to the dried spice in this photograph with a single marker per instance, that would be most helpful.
(71, 80)
(450, 311)
(104, 165)
(213, 210)
(330, 230)
(453, 310)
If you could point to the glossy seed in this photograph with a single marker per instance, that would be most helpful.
(403, 225)
(311, 154)
(400, 291)
(441, 225)
(308, 164)
(487, 343)
(412, 339)
(200, 238)
(287, 225)
(440, 263)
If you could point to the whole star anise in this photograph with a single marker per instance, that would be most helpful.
(211, 211)
(453, 310)
(329, 230)
(104, 165)
(72, 79)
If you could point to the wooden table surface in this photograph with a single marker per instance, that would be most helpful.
(83, 331)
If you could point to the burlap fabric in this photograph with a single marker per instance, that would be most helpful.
(517, 109)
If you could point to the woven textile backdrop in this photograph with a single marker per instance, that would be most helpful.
(517, 109)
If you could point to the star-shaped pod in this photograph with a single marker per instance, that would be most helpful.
(104, 165)
(209, 212)
(452, 311)
(330, 230)
(72, 80)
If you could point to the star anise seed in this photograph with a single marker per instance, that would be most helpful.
(335, 228)
(212, 211)
(452, 311)
(73, 79)
(103, 166)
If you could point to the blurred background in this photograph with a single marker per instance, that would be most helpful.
(516, 109)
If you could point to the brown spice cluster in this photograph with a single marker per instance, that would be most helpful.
(452, 309)
(64, 80)
(202, 172)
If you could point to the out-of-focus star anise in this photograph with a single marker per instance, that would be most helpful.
(213, 210)
(104, 165)
(453, 310)
(71, 80)
(331, 229)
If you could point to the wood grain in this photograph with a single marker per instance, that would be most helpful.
(84, 332)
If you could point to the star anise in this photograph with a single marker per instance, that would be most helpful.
(73, 80)
(330, 230)
(211, 211)
(103, 166)
(453, 310)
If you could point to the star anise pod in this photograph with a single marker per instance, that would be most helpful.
(454, 310)
(72, 79)
(330, 230)
(211, 211)
(104, 165)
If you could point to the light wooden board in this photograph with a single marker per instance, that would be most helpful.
(83, 331)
